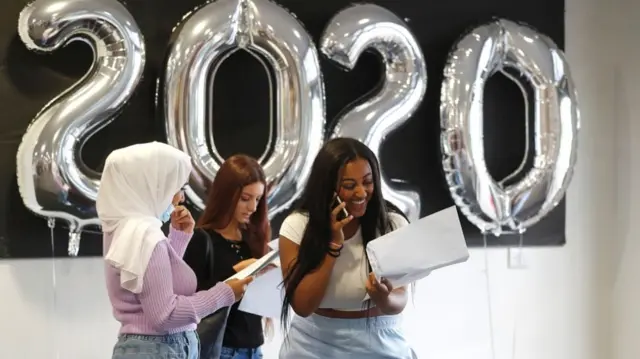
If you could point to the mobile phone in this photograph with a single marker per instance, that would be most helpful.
(342, 214)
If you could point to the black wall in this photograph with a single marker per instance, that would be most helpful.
(29, 80)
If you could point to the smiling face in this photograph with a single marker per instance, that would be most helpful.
(356, 186)
(248, 201)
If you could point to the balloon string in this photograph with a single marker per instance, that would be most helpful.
(516, 312)
(514, 335)
(52, 224)
(526, 128)
(490, 311)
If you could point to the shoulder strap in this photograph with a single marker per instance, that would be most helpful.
(208, 252)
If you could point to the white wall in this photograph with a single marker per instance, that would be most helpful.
(561, 303)
(625, 269)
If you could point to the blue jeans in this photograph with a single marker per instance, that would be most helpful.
(171, 346)
(240, 353)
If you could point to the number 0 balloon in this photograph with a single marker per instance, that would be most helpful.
(477, 56)
(200, 44)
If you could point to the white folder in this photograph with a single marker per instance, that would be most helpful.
(410, 253)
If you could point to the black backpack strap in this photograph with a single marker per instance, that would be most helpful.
(208, 253)
(211, 328)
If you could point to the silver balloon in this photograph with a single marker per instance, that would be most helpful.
(200, 44)
(486, 50)
(52, 179)
(363, 27)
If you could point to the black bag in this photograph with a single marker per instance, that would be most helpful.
(211, 329)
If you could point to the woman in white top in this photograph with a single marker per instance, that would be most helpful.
(326, 272)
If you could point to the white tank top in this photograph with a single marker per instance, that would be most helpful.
(347, 286)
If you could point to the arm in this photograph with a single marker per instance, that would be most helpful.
(179, 240)
(165, 309)
(310, 292)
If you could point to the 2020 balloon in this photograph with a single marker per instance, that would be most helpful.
(54, 182)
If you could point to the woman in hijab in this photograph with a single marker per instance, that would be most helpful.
(152, 290)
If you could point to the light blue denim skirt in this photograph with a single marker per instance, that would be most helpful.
(318, 337)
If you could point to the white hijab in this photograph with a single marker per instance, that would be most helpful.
(137, 186)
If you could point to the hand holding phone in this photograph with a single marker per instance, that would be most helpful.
(339, 218)
(337, 202)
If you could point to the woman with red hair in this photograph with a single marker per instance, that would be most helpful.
(231, 233)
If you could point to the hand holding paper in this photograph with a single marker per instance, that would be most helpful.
(263, 296)
(244, 264)
(239, 286)
(255, 267)
(412, 252)
(378, 291)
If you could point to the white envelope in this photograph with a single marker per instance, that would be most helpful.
(410, 253)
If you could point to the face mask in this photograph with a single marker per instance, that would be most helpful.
(166, 216)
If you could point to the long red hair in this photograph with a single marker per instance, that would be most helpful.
(235, 173)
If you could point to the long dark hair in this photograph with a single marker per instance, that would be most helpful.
(235, 173)
(316, 204)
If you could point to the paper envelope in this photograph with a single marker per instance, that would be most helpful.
(410, 253)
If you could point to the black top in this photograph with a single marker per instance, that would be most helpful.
(244, 330)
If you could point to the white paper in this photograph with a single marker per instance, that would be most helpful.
(264, 295)
(412, 252)
(274, 244)
(256, 266)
